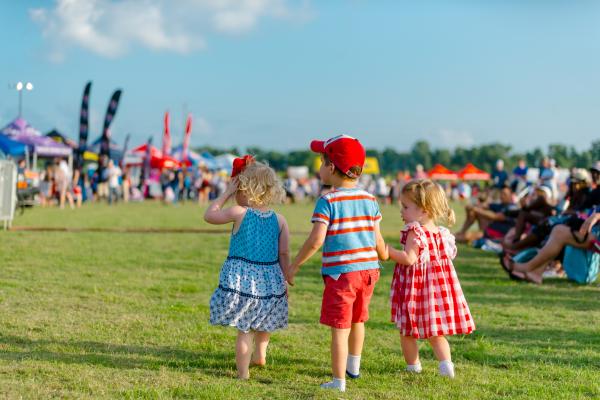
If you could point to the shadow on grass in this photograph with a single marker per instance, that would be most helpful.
(217, 363)
(502, 347)
(114, 356)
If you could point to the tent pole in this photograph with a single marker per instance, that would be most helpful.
(34, 160)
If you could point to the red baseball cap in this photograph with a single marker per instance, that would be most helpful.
(344, 152)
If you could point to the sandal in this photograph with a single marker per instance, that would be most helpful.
(506, 262)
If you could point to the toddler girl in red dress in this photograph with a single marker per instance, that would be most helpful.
(426, 298)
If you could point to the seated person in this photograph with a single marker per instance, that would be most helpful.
(498, 216)
(575, 231)
(579, 199)
(561, 236)
(534, 210)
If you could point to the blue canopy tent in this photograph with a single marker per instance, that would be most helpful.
(208, 160)
(115, 151)
(12, 147)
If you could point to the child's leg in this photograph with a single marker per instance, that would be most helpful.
(355, 345)
(410, 349)
(339, 351)
(243, 351)
(261, 341)
(339, 355)
(441, 348)
(356, 338)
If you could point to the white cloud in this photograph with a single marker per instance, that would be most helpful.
(451, 138)
(110, 28)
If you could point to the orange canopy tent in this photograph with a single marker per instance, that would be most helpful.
(441, 173)
(472, 173)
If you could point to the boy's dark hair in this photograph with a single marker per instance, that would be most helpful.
(355, 170)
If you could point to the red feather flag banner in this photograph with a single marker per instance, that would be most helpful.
(186, 138)
(166, 146)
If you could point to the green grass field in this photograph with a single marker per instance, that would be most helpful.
(89, 313)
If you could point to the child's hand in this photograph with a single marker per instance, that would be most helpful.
(385, 254)
(290, 274)
(232, 187)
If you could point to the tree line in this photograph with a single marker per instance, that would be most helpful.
(391, 161)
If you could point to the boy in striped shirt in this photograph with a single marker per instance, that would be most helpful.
(346, 223)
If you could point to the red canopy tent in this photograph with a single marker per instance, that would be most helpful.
(441, 173)
(157, 160)
(472, 173)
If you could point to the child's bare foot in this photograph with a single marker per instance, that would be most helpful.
(460, 237)
(261, 362)
(244, 376)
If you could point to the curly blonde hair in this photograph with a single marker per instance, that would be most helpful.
(431, 198)
(260, 184)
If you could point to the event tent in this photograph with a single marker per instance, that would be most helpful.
(37, 145)
(157, 160)
(224, 162)
(441, 173)
(60, 138)
(19, 130)
(193, 158)
(472, 173)
(115, 150)
(11, 147)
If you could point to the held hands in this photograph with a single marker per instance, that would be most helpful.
(385, 254)
(291, 273)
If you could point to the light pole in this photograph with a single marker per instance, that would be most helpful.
(20, 87)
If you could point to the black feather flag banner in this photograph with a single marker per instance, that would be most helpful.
(83, 125)
(110, 114)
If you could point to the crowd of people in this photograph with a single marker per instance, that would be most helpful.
(530, 224)
(527, 222)
(58, 184)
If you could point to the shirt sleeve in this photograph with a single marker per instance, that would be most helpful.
(377, 212)
(322, 211)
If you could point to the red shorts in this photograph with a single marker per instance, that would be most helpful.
(346, 301)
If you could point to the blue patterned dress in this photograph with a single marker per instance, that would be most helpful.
(252, 291)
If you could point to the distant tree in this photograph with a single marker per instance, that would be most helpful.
(421, 154)
(391, 161)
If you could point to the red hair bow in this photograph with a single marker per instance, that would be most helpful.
(240, 164)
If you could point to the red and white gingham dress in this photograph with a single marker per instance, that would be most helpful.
(426, 297)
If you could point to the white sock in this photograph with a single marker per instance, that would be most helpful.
(447, 368)
(353, 364)
(416, 368)
(339, 384)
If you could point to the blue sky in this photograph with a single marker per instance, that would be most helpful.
(278, 73)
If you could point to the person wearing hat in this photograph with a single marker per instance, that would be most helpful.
(595, 172)
(346, 223)
(576, 200)
(578, 229)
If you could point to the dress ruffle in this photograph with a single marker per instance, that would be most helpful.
(420, 239)
(250, 297)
